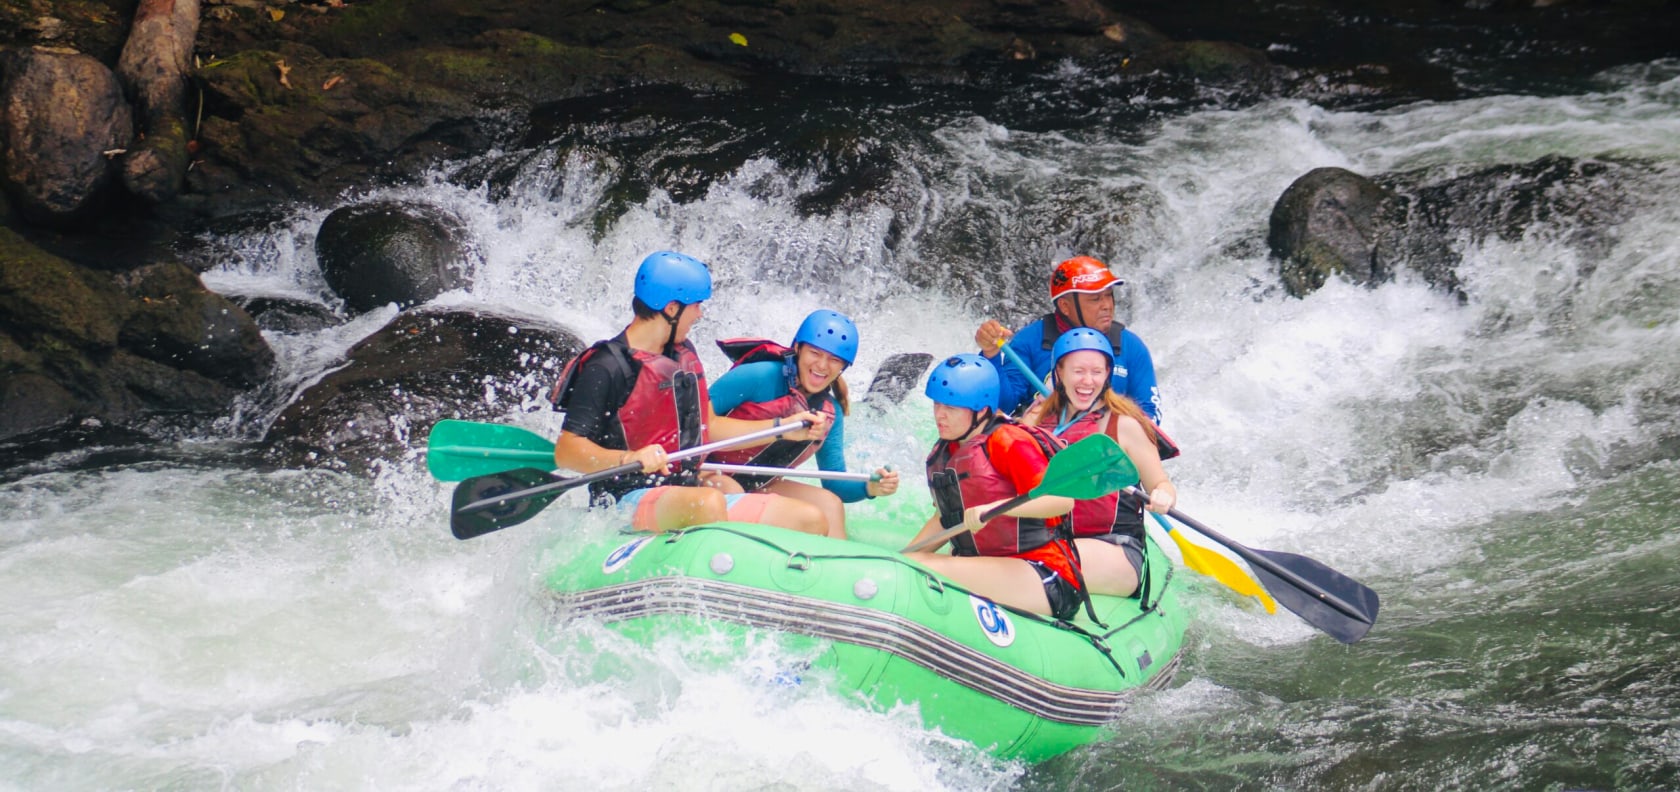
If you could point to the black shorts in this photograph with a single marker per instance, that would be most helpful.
(1133, 550)
(1063, 595)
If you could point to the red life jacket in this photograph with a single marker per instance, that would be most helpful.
(778, 453)
(1097, 516)
(651, 413)
(981, 482)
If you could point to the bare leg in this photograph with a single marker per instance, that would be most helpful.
(680, 507)
(1105, 568)
(834, 512)
(724, 484)
(794, 515)
(1006, 581)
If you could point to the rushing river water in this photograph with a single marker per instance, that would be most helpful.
(1502, 469)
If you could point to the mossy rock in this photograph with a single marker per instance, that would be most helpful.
(42, 294)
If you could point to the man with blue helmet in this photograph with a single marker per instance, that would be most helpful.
(774, 381)
(982, 459)
(642, 395)
(1082, 294)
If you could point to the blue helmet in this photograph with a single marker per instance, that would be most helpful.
(964, 381)
(1081, 338)
(665, 276)
(830, 332)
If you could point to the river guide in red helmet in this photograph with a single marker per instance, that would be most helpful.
(1081, 295)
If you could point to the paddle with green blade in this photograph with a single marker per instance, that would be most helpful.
(486, 503)
(457, 450)
(1199, 559)
(1324, 598)
(1090, 468)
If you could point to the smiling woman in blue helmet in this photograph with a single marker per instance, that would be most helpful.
(641, 395)
(982, 459)
(773, 381)
(1108, 531)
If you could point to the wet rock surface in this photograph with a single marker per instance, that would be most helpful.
(303, 102)
(385, 252)
(78, 343)
(424, 366)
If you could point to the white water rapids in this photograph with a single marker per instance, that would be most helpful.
(172, 624)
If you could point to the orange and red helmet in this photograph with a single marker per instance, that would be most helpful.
(1083, 275)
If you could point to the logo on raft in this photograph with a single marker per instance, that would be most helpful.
(618, 558)
(994, 621)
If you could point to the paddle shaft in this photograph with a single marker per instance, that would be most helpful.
(633, 467)
(945, 535)
(753, 470)
(1015, 359)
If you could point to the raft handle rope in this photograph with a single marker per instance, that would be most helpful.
(940, 586)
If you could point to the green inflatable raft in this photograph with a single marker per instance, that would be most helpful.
(1017, 685)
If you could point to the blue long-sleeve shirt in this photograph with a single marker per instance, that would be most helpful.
(1133, 376)
(767, 381)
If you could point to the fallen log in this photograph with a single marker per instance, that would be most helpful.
(154, 68)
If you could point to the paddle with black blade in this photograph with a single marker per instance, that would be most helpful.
(1199, 559)
(1324, 598)
(483, 504)
(1090, 468)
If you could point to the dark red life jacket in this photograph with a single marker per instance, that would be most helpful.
(657, 409)
(1097, 516)
(981, 482)
(778, 453)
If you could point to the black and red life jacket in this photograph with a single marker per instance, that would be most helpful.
(981, 482)
(664, 403)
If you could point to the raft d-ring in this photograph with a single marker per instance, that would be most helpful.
(798, 560)
(935, 585)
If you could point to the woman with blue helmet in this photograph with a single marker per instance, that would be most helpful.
(982, 459)
(1108, 531)
(642, 394)
(773, 381)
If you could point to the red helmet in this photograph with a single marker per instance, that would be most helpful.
(1081, 274)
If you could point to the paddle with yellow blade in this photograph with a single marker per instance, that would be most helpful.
(1321, 596)
(1199, 559)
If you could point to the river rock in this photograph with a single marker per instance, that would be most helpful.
(180, 323)
(424, 366)
(78, 343)
(385, 252)
(62, 117)
(1329, 222)
(1579, 202)
(289, 316)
